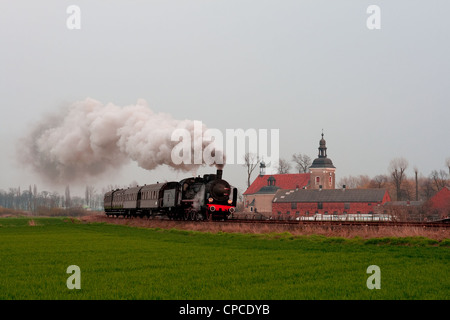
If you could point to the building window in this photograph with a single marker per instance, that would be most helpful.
(317, 180)
(347, 205)
(319, 205)
(330, 180)
(293, 205)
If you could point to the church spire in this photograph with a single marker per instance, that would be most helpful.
(262, 168)
(322, 147)
(322, 161)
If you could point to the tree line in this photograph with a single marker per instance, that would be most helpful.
(44, 202)
(35, 201)
(400, 186)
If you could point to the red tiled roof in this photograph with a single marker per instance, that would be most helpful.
(441, 200)
(284, 181)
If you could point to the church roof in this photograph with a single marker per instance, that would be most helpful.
(322, 161)
(284, 181)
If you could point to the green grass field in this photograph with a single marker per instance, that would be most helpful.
(121, 262)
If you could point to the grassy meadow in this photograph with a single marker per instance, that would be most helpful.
(122, 262)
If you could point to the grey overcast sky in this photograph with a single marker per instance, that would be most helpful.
(297, 66)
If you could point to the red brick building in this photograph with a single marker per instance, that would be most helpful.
(440, 202)
(310, 202)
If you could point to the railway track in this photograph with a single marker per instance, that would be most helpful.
(355, 223)
(348, 223)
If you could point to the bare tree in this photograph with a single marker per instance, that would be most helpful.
(251, 161)
(67, 198)
(283, 166)
(34, 198)
(89, 195)
(447, 163)
(416, 172)
(397, 169)
(302, 162)
(439, 178)
(379, 181)
(358, 182)
(30, 198)
(427, 188)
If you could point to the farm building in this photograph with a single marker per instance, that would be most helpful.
(312, 202)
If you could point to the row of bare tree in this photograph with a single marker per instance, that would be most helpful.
(31, 199)
(401, 186)
(302, 162)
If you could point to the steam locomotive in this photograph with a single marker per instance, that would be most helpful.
(196, 198)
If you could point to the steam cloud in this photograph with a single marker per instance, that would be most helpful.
(90, 139)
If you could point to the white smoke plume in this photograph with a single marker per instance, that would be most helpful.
(90, 139)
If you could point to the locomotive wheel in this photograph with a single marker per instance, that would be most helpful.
(197, 216)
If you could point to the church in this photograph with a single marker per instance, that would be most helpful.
(305, 194)
(259, 196)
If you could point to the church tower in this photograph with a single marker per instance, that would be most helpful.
(322, 169)
(262, 168)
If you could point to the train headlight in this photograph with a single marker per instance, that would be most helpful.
(230, 201)
(210, 199)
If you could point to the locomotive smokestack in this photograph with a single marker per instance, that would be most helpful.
(219, 173)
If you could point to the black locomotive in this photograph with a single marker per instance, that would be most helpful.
(196, 198)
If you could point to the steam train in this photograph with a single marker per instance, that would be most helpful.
(196, 198)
